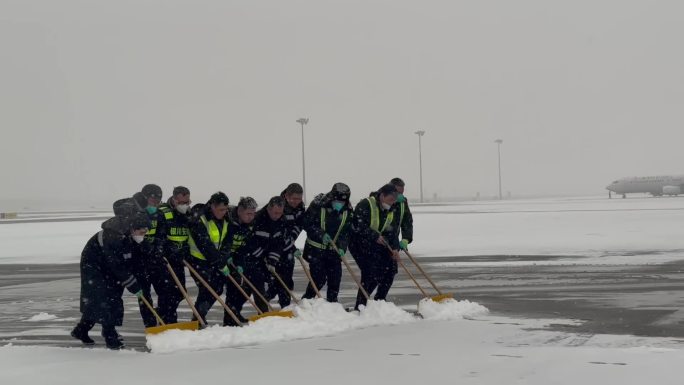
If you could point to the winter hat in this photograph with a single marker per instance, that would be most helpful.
(388, 189)
(340, 191)
(152, 191)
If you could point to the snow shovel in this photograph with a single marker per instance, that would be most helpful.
(308, 275)
(408, 272)
(192, 325)
(351, 272)
(289, 292)
(271, 312)
(213, 293)
(441, 296)
(184, 292)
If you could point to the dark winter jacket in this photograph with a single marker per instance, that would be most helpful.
(240, 235)
(405, 220)
(104, 274)
(364, 238)
(268, 241)
(198, 231)
(172, 232)
(320, 208)
(294, 222)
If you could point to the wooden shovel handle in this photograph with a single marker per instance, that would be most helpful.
(308, 275)
(289, 292)
(184, 292)
(149, 306)
(213, 293)
(423, 272)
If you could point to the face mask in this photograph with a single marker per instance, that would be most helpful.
(386, 206)
(151, 209)
(338, 205)
(138, 238)
(182, 208)
(400, 198)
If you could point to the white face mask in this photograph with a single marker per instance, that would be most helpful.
(182, 208)
(138, 238)
(386, 206)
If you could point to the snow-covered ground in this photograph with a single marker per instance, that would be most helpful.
(608, 231)
(456, 343)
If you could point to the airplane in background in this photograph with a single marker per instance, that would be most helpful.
(654, 185)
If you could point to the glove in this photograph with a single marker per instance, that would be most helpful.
(341, 252)
(326, 239)
(297, 253)
(225, 271)
(403, 244)
(139, 294)
(240, 270)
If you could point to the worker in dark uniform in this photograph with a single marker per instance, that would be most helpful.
(146, 256)
(405, 216)
(172, 230)
(104, 276)
(293, 213)
(241, 232)
(375, 242)
(209, 246)
(328, 220)
(267, 246)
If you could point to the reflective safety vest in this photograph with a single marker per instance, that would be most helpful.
(175, 233)
(239, 240)
(323, 225)
(375, 216)
(402, 207)
(152, 231)
(215, 236)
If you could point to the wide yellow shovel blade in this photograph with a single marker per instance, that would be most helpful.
(278, 313)
(442, 297)
(191, 325)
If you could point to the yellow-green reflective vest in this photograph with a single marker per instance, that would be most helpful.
(175, 234)
(215, 236)
(152, 231)
(375, 216)
(323, 225)
(402, 206)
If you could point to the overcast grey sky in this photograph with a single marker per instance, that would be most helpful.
(99, 97)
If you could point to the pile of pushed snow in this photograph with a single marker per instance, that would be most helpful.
(42, 317)
(449, 309)
(313, 318)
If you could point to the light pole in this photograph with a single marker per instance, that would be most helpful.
(420, 134)
(498, 143)
(303, 121)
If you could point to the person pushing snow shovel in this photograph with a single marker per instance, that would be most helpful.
(327, 222)
(375, 242)
(104, 276)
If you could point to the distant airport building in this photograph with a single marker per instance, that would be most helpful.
(654, 185)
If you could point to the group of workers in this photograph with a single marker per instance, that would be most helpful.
(238, 250)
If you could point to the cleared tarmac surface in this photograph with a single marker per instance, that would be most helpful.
(645, 300)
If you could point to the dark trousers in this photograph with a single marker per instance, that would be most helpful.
(145, 282)
(377, 272)
(236, 300)
(169, 295)
(85, 325)
(285, 270)
(326, 268)
(205, 300)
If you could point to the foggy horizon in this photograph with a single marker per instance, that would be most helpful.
(100, 98)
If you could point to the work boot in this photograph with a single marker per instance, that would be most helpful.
(82, 335)
(112, 338)
(228, 320)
